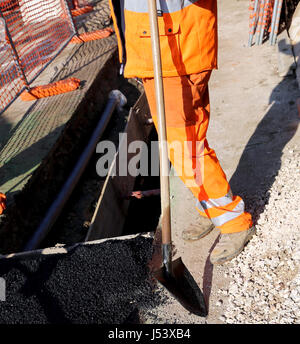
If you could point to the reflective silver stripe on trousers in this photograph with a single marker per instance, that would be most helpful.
(229, 215)
(215, 202)
(167, 6)
(219, 202)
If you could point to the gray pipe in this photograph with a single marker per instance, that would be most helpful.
(260, 19)
(263, 27)
(116, 99)
(251, 35)
(274, 37)
(273, 21)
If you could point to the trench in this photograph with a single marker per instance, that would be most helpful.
(74, 221)
(142, 215)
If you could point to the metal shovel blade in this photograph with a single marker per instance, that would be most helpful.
(181, 284)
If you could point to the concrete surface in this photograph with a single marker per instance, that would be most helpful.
(294, 29)
(286, 59)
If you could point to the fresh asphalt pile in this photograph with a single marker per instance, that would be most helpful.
(265, 277)
(91, 284)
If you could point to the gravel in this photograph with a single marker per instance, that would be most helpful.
(103, 283)
(265, 277)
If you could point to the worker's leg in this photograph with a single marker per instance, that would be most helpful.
(187, 117)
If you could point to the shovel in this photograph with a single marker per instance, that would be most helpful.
(173, 275)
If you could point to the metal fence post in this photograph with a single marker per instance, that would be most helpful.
(70, 17)
(15, 53)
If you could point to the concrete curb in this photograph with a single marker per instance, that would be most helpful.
(62, 249)
(286, 58)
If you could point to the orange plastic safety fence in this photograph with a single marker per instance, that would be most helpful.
(78, 11)
(2, 202)
(268, 17)
(39, 29)
(11, 80)
(92, 36)
(261, 18)
(53, 89)
(32, 34)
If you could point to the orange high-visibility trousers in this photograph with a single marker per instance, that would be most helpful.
(187, 117)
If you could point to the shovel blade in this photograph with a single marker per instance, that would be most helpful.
(181, 284)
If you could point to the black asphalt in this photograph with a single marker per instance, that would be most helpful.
(103, 283)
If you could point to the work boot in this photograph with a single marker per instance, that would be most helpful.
(198, 230)
(230, 245)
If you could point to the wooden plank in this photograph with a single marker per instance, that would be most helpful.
(112, 206)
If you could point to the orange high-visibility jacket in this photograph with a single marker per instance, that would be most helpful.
(188, 36)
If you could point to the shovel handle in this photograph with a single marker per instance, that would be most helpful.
(162, 131)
